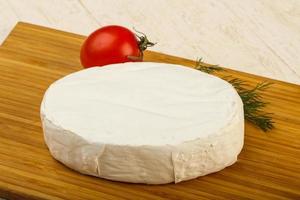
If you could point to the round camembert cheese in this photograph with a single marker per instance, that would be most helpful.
(141, 122)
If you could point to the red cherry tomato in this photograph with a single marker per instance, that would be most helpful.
(111, 44)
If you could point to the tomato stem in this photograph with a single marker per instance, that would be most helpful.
(143, 41)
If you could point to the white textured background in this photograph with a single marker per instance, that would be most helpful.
(257, 36)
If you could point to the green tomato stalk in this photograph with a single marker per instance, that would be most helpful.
(143, 44)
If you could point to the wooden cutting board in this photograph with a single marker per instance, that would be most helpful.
(32, 57)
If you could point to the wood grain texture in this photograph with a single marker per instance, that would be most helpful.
(261, 37)
(32, 57)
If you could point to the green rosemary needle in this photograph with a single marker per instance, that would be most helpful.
(207, 69)
(252, 99)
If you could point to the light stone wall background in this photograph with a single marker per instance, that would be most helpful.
(256, 36)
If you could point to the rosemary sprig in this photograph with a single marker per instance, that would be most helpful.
(252, 99)
(207, 69)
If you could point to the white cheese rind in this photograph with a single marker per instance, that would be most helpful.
(153, 160)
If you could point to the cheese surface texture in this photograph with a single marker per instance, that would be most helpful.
(141, 122)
